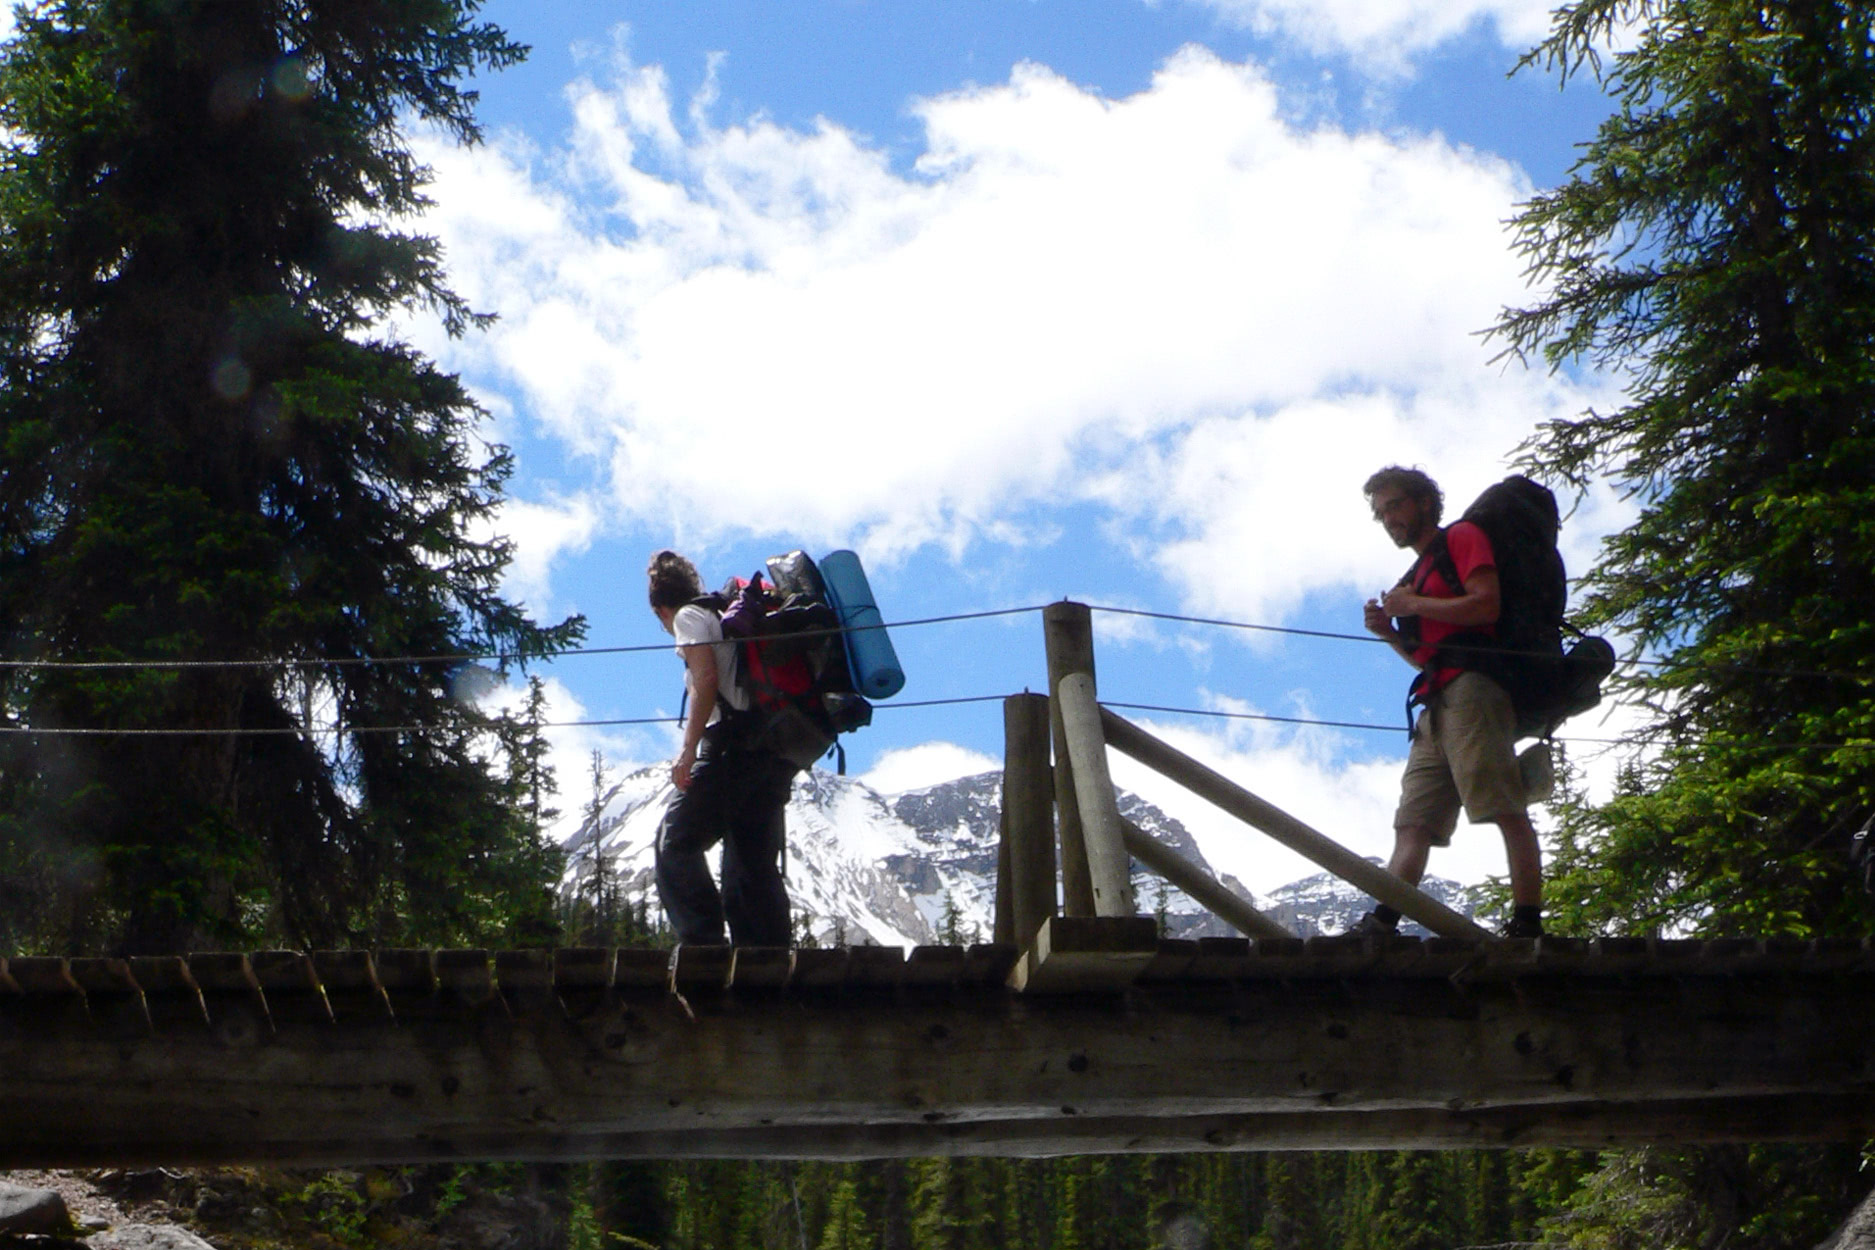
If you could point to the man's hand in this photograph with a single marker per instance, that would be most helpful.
(680, 770)
(1378, 620)
(1401, 601)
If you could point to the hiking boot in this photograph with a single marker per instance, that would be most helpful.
(1371, 925)
(1519, 927)
(1538, 773)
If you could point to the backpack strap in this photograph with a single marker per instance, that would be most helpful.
(1441, 553)
(1437, 557)
(1466, 645)
(1462, 649)
(717, 603)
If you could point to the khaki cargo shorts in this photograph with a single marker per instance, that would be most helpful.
(1464, 754)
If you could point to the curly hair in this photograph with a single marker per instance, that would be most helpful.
(1413, 482)
(674, 580)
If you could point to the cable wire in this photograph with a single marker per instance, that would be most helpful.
(1635, 661)
(474, 657)
(505, 658)
(1214, 713)
(957, 701)
(331, 730)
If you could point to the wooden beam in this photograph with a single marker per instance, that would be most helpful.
(1068, 634)
(1207, 783)
(1584, 1126)
(1028, 817)
(1107, 865)
(1320, 1044)
(1078, 954)
(1199, 885)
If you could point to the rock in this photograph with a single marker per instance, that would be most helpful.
(143, 1184)
(148, 1237)
(1857, 1232)
(39, 1212)
(505, 1222)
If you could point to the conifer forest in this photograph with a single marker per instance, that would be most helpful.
(214, 445)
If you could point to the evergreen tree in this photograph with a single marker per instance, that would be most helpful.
(630, 1201)
(1487, 1216)
(1715, 245)
(1730, 1197)
(1296, 1207)
(524, 744)
(847, 1227)
(1026, 1216)
(1421, 1211)
(940, 1205)
(886, 1194)
(595, 905)
(1542, 1183)
(1232, 1190)
(1361, 1197)
(950, 922)
(214, 448)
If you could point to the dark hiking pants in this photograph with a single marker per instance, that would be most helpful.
(739, 798)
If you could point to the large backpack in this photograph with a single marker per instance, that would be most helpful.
(792, 663)
(1524, 653)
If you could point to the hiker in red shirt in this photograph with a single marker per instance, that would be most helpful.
(1464, 741)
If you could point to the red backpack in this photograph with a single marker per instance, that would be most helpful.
(792, 662)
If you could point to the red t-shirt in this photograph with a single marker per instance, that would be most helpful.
(1470, 551)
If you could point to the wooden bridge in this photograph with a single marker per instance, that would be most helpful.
(1217, 1044)
(1077, 1031)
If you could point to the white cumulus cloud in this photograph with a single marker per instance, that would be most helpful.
(927, 764)
(1384, 34)
(542, 533)
(1183, 306)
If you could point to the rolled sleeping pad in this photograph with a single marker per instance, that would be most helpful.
(876, 671)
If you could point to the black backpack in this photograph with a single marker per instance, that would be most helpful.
(791, 662)
(1524, 654)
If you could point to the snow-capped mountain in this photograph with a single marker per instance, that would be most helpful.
(918, 867)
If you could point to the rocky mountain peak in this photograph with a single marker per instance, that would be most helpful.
(920, 867)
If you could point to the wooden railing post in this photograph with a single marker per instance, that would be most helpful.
(1068, 633)
(1003, 924)
(1107, 863)
(1028, 824)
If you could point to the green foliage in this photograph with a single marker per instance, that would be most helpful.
(1715, 244)
(1423, 1205)
(1328, 1201)
(213, 449)
(333, 1204)
(847, 1227)
(417, 1208)
(453, 1191)
(949, 1207)
(1715, 247)
(1738, 1197)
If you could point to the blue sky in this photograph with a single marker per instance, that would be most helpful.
(1021, 299)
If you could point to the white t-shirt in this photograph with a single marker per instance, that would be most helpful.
(693, 624)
